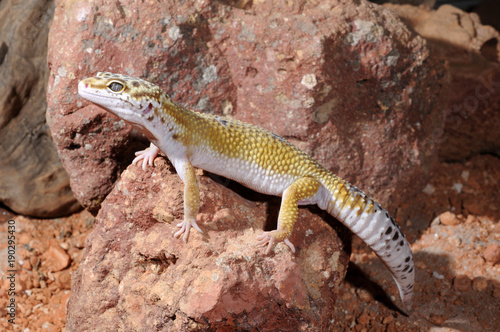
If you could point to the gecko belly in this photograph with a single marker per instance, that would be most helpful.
(245, 172)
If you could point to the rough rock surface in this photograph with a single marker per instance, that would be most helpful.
(32, 179)
(442, 254)
(426, 3)
(472, 116)
(345, 81)
(136, 276)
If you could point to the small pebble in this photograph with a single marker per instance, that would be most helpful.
(458, 187)
(63, 280)
(470, 219)
(388, 319)
(55, 258)
(479, 284)
(448, 218)
(364, 319)
(27, 265)
(364, 295)
(428, 189)
(462, 283)
(492, 253)
(437, 319)
(496, 292)
(465, 175)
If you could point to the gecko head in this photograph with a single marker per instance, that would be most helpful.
(132, 99)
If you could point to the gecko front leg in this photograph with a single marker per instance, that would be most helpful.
(147, 156)
(191, 198)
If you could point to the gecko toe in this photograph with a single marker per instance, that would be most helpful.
(290, 245)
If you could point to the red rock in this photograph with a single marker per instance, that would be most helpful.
(492, 253)
(136, 271)
(27, 265)
(474, 207)
(55, 258)
(24, 282)
(388, 319)
(437, 319)
(449, 218)
(364, 295)
(462, 283)
(363, 319)
(473, 52)
(479, 284)
(350, 91)
(63, 280)
(496, 291)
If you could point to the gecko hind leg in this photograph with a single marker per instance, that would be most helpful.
(303, 188)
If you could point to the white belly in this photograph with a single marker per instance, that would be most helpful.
(247, 173)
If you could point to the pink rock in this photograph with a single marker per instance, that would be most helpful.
(136, 275)
(449, 218)
(492, 253)
(345, 81)
(55, 258)
(479, 283)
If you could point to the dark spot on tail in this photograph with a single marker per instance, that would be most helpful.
(395, 237)
(388, 231)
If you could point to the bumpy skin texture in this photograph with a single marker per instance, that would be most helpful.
(253, 157)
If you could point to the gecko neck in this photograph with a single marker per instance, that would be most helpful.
(172, 126)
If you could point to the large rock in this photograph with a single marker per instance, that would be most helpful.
(472, 116)
(32, 179)
(135, 276)
(426, 3)
(345, 81)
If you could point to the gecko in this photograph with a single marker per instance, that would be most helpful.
(254, 157)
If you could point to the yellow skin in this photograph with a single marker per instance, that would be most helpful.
(254, 157)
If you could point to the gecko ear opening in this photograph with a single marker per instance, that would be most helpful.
(147, 109)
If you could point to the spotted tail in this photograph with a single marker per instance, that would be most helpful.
(376, 228)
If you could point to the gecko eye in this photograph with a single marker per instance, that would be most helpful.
(116, 87)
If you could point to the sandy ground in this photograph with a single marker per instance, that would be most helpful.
(453, 227)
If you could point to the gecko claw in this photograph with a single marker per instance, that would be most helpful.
(290, 245)
(267, 237)
(147, 156)
(185, 228)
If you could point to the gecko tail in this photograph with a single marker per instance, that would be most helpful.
(377, 229)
